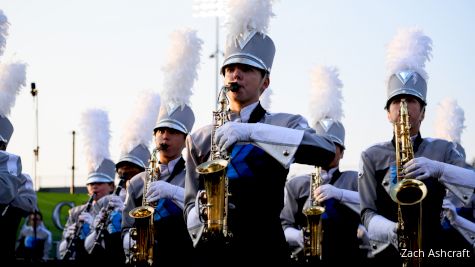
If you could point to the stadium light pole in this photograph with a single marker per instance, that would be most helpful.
(71, 189)
(211, 8)
(36, 150)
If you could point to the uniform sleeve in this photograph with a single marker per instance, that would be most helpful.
(130, 198)
(26, 199)
(10, 177)
(301, 145)
(191, 216)
(287, 215)
(459, 177)
(367, 190)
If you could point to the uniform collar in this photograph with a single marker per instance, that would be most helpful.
(167, 169)
(245, 113)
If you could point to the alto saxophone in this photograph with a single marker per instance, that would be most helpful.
(407, 192)
(214, 200)
(143, 230)
(313, 233)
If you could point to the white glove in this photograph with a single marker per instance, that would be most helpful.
(99, 217)
(86, 217)
(382, 230)
(160, 189)
(89, 242)
(70, 231)
(449, 211)
(422, 168)
(327, 191)
(127, 244)
(232, 132)
(294, 237)
(116, 202)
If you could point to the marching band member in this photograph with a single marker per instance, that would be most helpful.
(99, 183)
(173, 245)
(458, 220)
(12, 209)
(262, 147)
(338, 192)
(436, 163)
(105, 239)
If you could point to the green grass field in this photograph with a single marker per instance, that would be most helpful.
(46, 203)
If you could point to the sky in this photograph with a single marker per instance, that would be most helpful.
(101, 54)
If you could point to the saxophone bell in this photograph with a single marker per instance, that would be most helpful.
(214, 200)
(143, 231)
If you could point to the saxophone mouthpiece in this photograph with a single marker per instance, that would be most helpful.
(233, 87)
(163, 146)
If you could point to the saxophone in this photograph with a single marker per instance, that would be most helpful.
(143, 230)
(313, 233)
(407, 192)
(214, 199)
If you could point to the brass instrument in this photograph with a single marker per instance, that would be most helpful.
(313, 236)
(214, 199)
(143, 230)
(70, 253)
(407, 192)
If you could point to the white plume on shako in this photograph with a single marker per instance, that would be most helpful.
(138, 129)
(12, 73)
(450, 118)
(326, 97)
(409, 49)
(244, 16)
(180, 71)
(94, 125)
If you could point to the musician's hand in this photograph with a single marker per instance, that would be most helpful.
(232, 132)
(116, 202)
(98, 218)
(115, 222)
(327, 191)
(86, 217)
(449, 210)
(70, 231)
(294, 237)
(160, 189)
(90, 240)
(422, 168)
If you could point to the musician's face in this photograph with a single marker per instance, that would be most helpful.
(128, 171)
(415, 109)
(175, 141)
(100, 189)
(251, 84)
(338, 156)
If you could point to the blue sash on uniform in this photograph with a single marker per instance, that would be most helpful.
(165, 207)
(243, 158)
(330, 210)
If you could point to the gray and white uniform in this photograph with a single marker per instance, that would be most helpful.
(340, 221)
(374, 182)
(269, 160)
